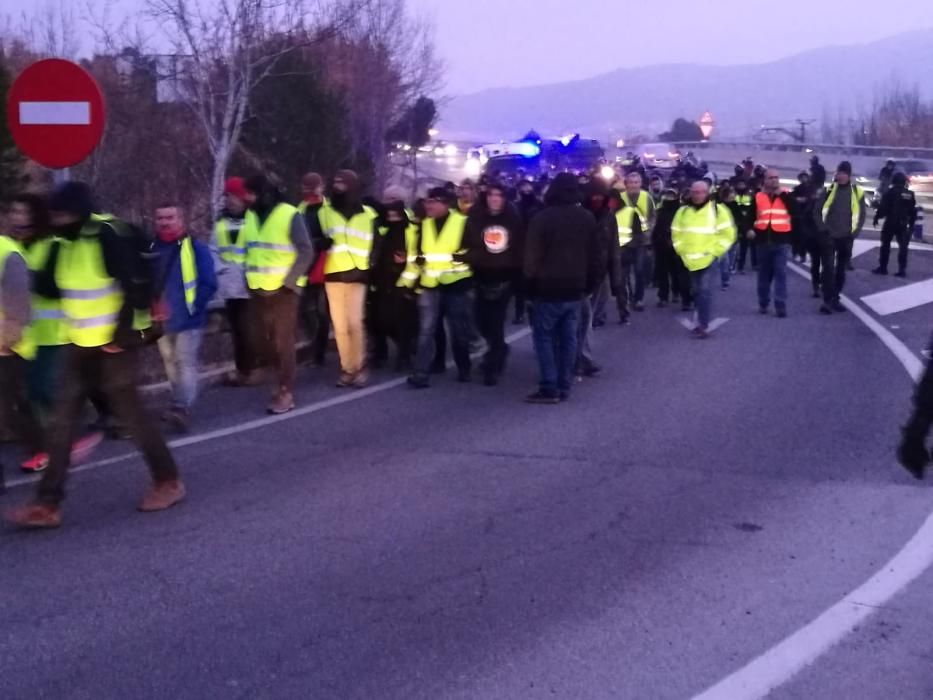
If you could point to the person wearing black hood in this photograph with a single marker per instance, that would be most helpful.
(278, 255)
(494, 245)
(96, 271)
(741, 208)
(804, 196)
(670, 274)
(352, 237)
(898, 208)
(392, 310)
(817, 173)
(839, 215)
(529, 204)
(561, 265)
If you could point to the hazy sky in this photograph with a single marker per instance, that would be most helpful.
(492, 43)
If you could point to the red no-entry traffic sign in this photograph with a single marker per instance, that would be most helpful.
(55, 110)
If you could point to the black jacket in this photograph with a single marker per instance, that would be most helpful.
(804, 197)
(561, 248)
(898, 208)
(495, 244)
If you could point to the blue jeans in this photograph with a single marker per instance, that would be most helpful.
(701, 283)
(725, 266)
(642, 269)
(772, 267)
(554, 325)
(180, 355)
(456, 307)
(584, 334)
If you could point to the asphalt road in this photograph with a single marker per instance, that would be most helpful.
(680, 515)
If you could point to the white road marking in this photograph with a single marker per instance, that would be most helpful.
(348, 397)
(778, 665)
(899, 299)
(691, 323)
(55, 113)
(860, 246)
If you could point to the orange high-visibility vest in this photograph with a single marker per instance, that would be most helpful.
(771, 214)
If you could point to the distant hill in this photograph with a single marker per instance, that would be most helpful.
(807, 85)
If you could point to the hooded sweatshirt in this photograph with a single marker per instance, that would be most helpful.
(561, 248)
(494, 244)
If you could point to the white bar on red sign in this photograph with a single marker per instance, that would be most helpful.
(55, 113)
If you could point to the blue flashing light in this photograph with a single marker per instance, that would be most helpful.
(528, 150)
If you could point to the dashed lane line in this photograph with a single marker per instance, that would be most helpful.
(780, 663)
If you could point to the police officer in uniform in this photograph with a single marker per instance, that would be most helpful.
(899, 211)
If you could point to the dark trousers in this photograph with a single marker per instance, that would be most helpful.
(554, 327)
(434, 307)
(14, 393)
(279, 313)
(83, 371)
(814, 249)
(686, 283)
(667, 274)
(918, 426)
(492, 305)
(520, 303)
(392, 315)
(746, 246)
(42, 377)
(245, 332)
(836, 254)
(903, 242)
(315, 313)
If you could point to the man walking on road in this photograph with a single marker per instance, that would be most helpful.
(804, 228)
(278, 254)
(899, 210)
(314, 311)
(741, 208)
(561, 265)
(446, 288)
(771, 212)
(637, 199)
(702, 232)
(840, 216)
(242, 316)
(351, 230)
(105, 301)
(188, 283)
(494, 245)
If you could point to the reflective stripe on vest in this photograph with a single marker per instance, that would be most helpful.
(702, 235)
(351, 241)
(91, 298)
(189, 273)
(438, 250)
(48, 329)
(270, 254)
(771, 214)
(25, 347)
(230, 252)
(855, 202)
(625, 219)
(411, 274)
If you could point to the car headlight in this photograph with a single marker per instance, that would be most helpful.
(473, 168)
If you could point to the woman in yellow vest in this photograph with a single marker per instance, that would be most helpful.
(351, 233)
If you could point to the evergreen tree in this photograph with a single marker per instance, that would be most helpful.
(11, 162)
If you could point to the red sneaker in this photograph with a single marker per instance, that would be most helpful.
(36, 463)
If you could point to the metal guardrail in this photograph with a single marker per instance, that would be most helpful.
(854, 150)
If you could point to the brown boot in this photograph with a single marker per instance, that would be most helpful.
(35, 516)
(162, 495)
(282, 402)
